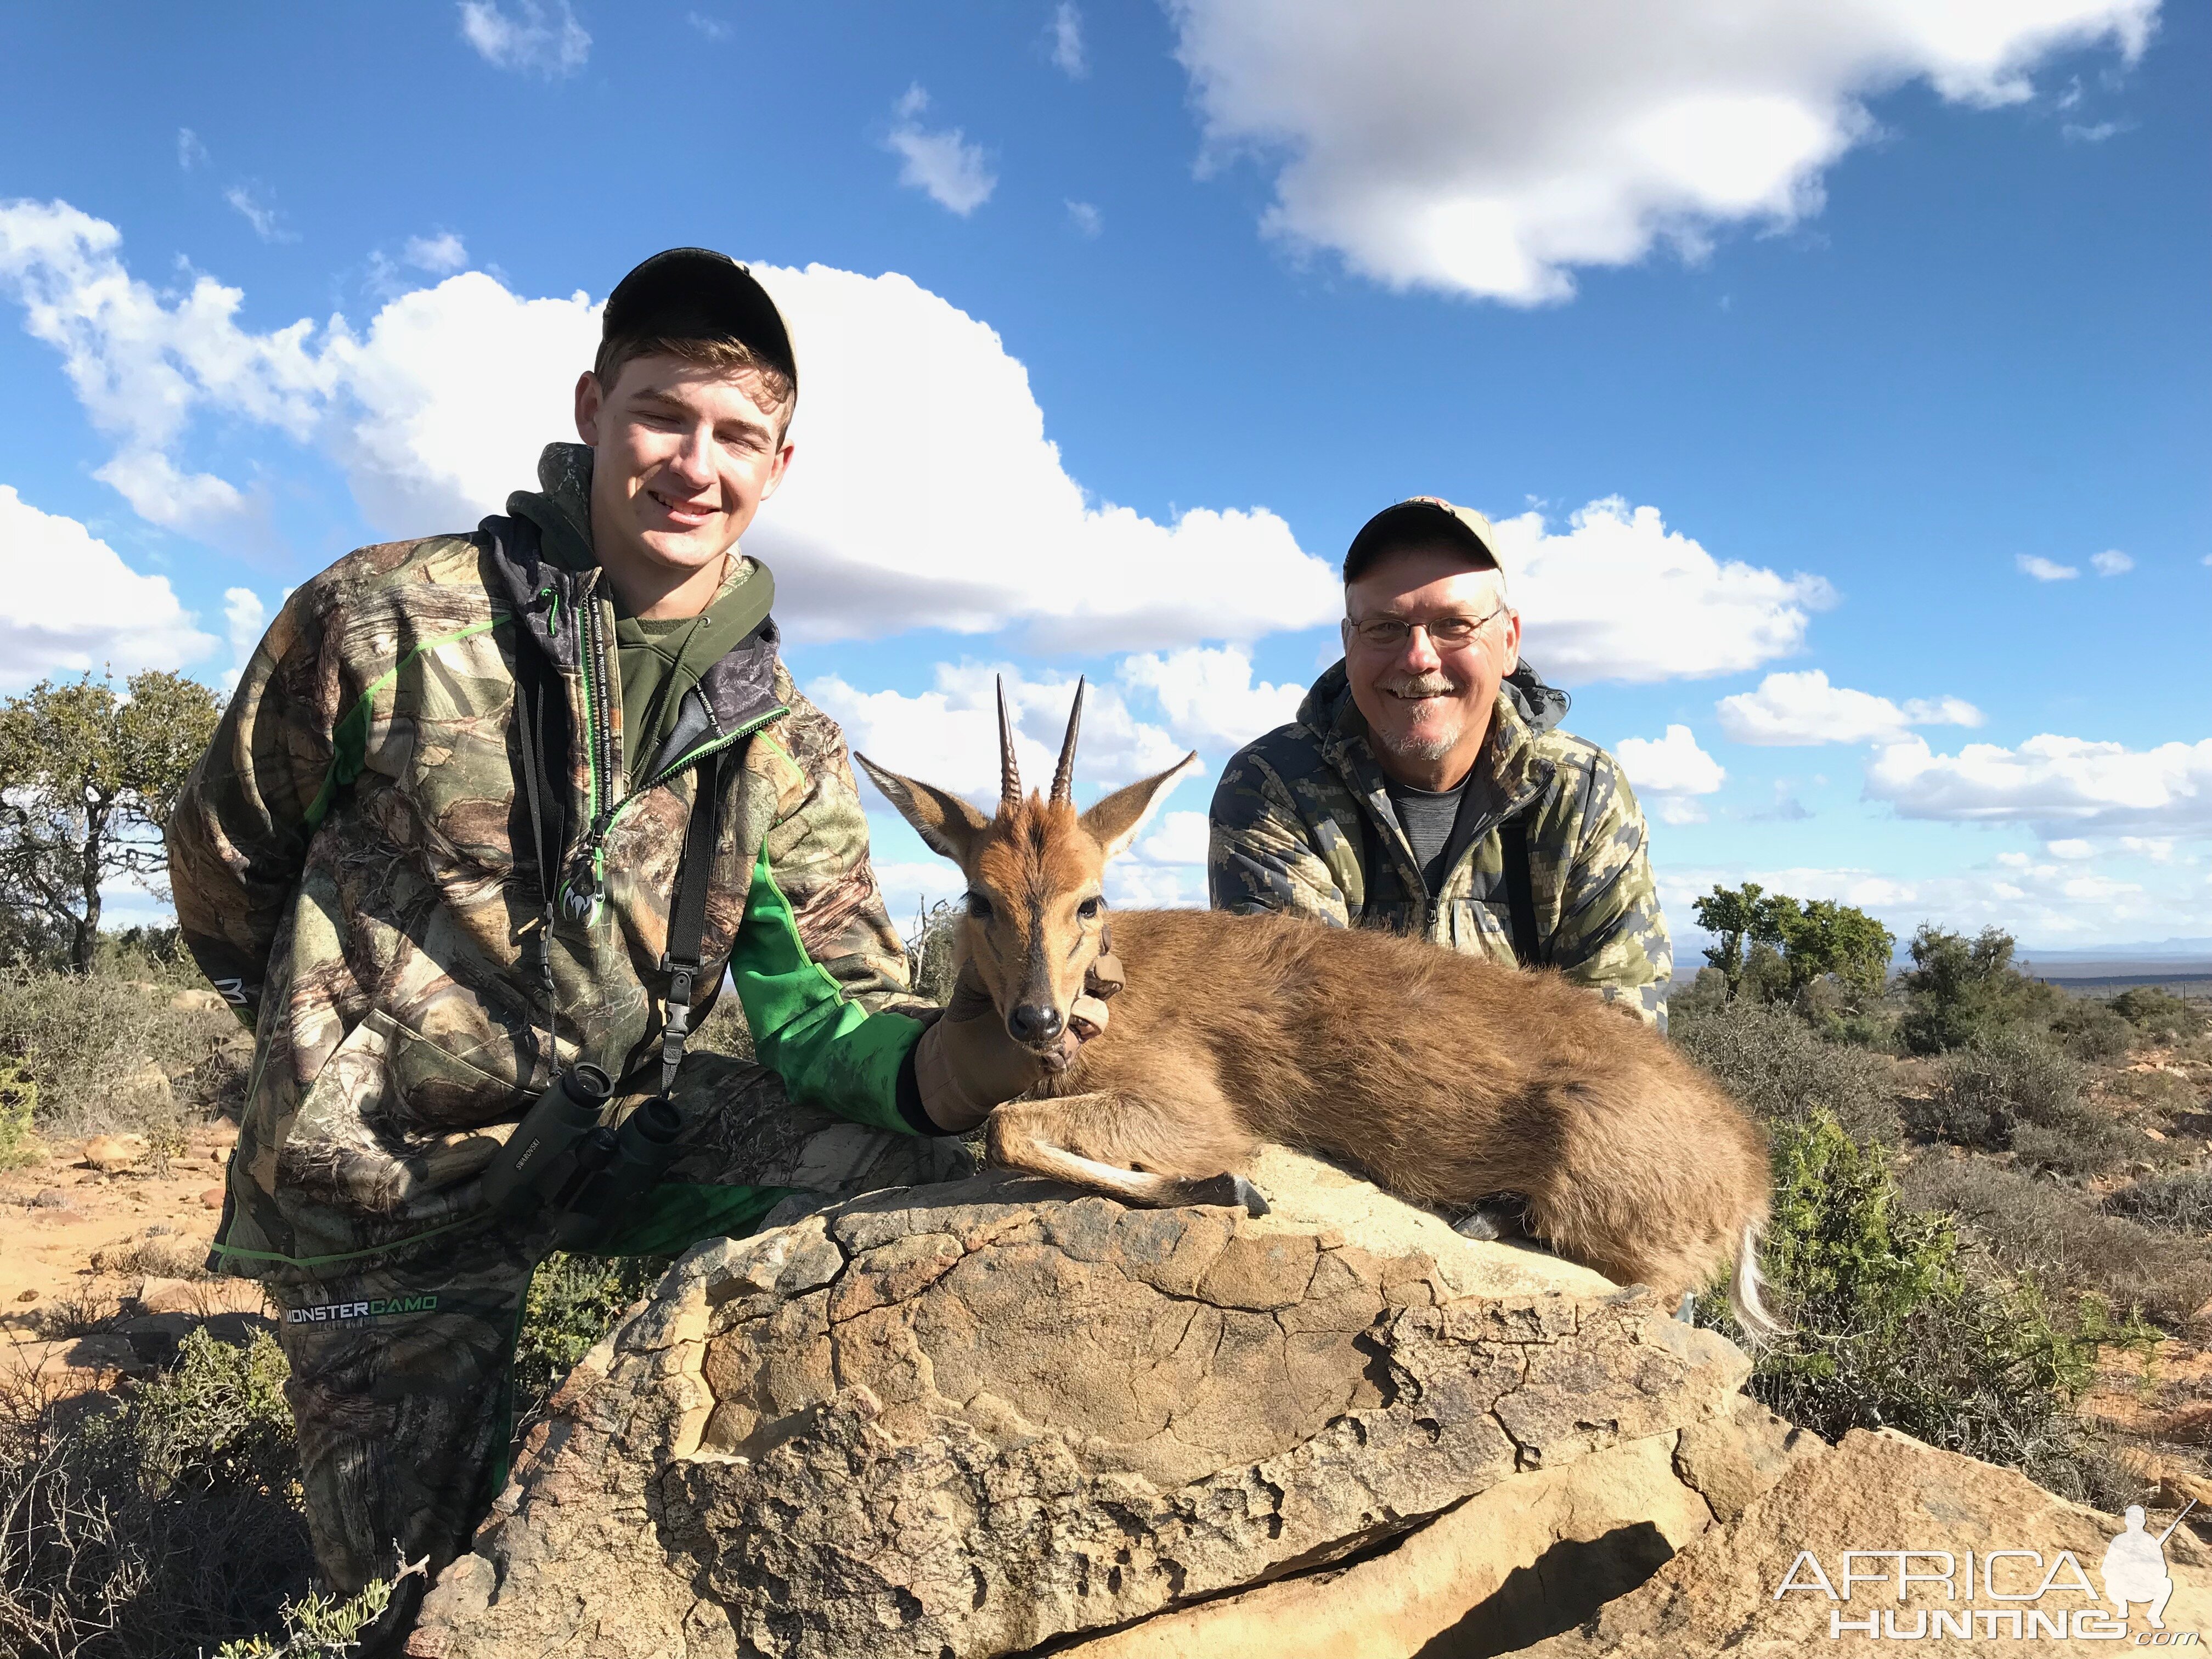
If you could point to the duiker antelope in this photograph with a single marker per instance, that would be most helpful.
(1448, 1078)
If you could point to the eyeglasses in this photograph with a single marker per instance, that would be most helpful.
(1445, 633)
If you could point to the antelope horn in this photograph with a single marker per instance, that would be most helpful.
(1063, 777)
(1010, 771)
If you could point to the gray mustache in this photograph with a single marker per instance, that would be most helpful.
(1422, 685)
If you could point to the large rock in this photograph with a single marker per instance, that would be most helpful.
(968, 1419)
(1878, 1494)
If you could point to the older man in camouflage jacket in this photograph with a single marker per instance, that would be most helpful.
(432, 857)
(1425, 786)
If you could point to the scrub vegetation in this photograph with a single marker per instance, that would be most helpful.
(1990, 1199)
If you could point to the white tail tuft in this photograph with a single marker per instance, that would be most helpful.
(1758, 1325)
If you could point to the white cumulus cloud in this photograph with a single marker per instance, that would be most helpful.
(1068, 50)
(2052, 782)
(1490, 150)
(440, 255)
(534, 39)
(144, 362)
(245, 618)
(439, 407)
(1673, 770)
(1209, 696)
(943, 165)
(268, 224)
(949, 735)
(1087, 218)
(2043, 569)
(1803, 708)
(1618, 596)
(2111, 562)
(70, 604)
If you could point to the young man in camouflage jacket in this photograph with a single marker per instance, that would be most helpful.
(431, 857)
(1424, 789)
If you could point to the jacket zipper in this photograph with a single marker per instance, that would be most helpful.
(593, 852)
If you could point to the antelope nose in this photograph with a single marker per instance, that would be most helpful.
(1034, 1022)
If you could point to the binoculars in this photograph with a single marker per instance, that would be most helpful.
(562, 1158)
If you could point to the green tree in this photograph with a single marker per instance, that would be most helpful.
(1958, 987)
(86, 778)
(1737, 919)
(1774, 946)
(1827, 938)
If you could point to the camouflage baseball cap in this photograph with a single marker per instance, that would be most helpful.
(1421, 519)
(696, 294)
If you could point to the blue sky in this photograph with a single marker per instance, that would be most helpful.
(1784, 348)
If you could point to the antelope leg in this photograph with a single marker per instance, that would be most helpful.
(1094, 1140)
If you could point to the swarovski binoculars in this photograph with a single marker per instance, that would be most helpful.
(562, 1158)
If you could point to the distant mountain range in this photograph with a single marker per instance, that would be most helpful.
(2169, 950)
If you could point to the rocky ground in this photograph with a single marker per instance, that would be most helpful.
(102, 1243)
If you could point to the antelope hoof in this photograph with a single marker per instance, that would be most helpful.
(1230, 1191)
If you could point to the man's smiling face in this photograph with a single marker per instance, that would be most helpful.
(684, 455)
(1428, 701)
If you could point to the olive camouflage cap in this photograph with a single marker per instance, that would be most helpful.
(1419, 520)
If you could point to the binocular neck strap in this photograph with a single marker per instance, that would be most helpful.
(686, 919)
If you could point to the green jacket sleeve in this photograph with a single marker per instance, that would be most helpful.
(238, 835)
(830, 1051)
(1612, 936)
(818, 968)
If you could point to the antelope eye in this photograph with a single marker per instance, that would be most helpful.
(979, 907)
(1088, 909)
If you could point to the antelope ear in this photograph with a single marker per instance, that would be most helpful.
(941, 817)
(1113, 822)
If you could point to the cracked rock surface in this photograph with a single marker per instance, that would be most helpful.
(967, 1420)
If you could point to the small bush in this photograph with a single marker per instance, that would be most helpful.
(1895, 1326)
(162, 1526)
(2092, 1030)
(933, 952)
(19, 1098)
(102, 1052)
(2183, 1202)
(1781, 1072)
(574, 1301)
(2011, 1090)
(317, 1626)
(2043, 1228)
(1706, 994)
(2157, 1013)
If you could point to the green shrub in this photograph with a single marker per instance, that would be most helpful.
(162, 1525)
(2158, 1013)
(2092, 1030)
(2064, 1239)
(1780, 1071)
(2183, 1202)
(574, 1301)
(1894, 1325)
(1960, 988)
(1705, 995)
(2012, 1090)
(103, 1052)
(317, 1626)
(19, 1097)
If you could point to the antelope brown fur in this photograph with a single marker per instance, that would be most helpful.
(1449, 1079)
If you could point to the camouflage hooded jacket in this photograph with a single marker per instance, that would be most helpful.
(1302, 823)
(354, 866)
